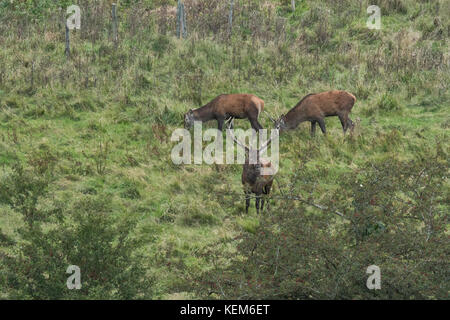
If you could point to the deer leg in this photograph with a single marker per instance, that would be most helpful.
(255, 124)
(258, 198)
(313, 128)
(266, 192)
(259, 125)
(220, 122)
(346, 121)
(247, 201)
(322, 126)
(350, 124)
(343, 123)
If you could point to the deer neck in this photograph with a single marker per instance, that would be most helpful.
(256, 156)
(292, 120)
(204, 113)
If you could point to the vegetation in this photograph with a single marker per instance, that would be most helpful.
(86, 176)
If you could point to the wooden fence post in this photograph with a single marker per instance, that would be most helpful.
(178, 19)
(67, 51)
(230, 17)
(184, 23)
(293, 5)
(181, 21)
(32, 75)
(114, 23)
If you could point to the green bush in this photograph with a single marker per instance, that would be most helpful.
(394, 216)
(56, 234)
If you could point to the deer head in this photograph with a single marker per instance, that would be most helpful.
(189, 119)
(280, 123)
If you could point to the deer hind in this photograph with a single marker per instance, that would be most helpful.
(225, 107)
(315, 107)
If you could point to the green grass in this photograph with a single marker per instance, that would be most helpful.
(135, 106)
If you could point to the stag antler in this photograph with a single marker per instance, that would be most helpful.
(229, 123)
(265, 146)
(246, 148)
(271, 119)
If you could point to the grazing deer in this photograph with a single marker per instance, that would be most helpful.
(228, 106)
(253, 178)
(315, 107)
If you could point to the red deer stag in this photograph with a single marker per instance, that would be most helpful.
(228, 106)
(253, 178)
(315, 107)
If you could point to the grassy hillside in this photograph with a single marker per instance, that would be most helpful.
(85, 171)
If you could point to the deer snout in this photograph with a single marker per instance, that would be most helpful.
(280, 124)
(187, 122)
(265, 168)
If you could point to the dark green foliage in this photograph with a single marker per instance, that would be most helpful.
(87, 234)
(21, 190)
(395, 218)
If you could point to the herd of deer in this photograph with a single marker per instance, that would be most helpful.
(313, 107)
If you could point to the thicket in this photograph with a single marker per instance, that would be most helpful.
(394, 216)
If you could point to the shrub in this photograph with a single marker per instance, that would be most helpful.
(57, 234)
(394, 217)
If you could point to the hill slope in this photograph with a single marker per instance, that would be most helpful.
(86, 176)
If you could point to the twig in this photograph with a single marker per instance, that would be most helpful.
(317, 206)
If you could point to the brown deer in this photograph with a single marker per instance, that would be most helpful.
(253, 178)
(315, 107)
(227, 106)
